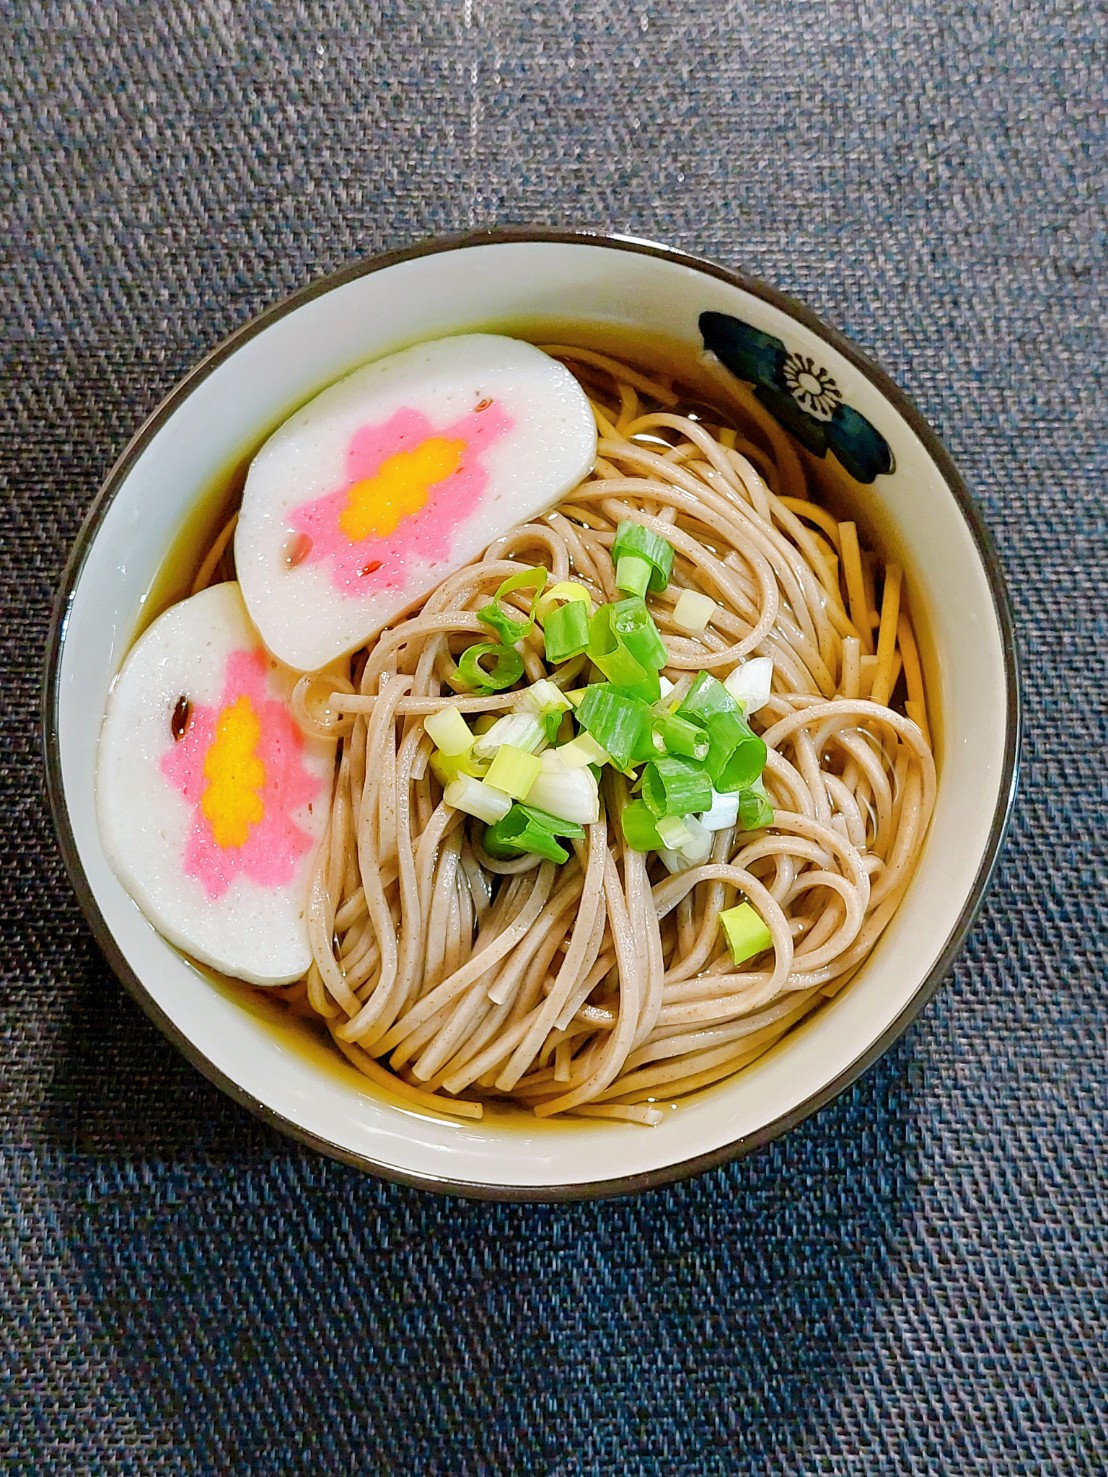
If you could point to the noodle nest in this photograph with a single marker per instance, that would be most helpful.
(603, 988)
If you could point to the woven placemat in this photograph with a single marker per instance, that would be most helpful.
(914, 1281)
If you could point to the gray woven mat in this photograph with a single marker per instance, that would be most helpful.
(915, 1280)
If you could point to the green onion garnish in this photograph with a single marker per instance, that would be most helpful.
(564, 791)
(673, 786)
(477, 798)
(629, 658)
(632, 623)
(643, 559)
(448, 730)
(506, 667)
(618, 722)
(674, 735)
(545, 696)
(507, 623)
(566, 631)
(674, 833)
(738, 768)
(736, 755)
(693, 610)
(640, 830)
(582, 752)
(706, 698)
(513, 771)
(745, 931)
(553, 724)
(520, 730)
(448, 767)
(561, 593)
(755, 811)
(525, 830)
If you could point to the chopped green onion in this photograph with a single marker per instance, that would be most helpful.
(699, 846)
(736, 755)
(513, 771)
(566, 632)
(750, 683)
(673, 786)
(575, 694)
(533, 577)
(477, 798)
(640, 546)
(545, 696)
(633, 574)
(639, 828)
(693, 610)
(745, 931)
(448, 730)
(738, 769)
(505, 671)
(508, 625)
(706, 698)
(629, 664)
(557, 825)
(723, 812)
(526, 831)
(523, 840)
(755, 811)
(448, 767)
(571, 794)
(674, 735)
(557, 725)
(564, 592)
(582, 751)
(619, 724)
(632, 623)
(519, 730)
(673, 831)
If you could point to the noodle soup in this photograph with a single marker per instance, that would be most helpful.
(619, 993)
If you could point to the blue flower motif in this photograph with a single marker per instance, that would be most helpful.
(800, 394)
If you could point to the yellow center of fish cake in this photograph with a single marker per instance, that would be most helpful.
(376, 505)
(232, 801)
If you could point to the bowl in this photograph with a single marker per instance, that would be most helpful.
(618, 286)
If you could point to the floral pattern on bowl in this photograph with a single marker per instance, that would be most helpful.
(799, 393)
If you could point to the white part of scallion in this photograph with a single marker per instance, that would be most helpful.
(570, 794)
(750, 683)
(673, 831)
(581, 751)
(448, 730)
(520, 730)
(699, 846)
(544, 696)
(693, 610)
(722, 814)
(477, 799)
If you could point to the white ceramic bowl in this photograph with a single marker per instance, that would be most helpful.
(245, 387)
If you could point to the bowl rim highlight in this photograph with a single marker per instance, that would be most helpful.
(985, 550)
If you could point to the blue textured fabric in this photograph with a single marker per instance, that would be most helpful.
(913, 1282)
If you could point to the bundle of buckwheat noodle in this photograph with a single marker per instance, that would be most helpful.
(603, 987)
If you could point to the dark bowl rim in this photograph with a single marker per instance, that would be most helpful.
(683, 1169)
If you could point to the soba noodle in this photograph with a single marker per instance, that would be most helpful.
(604, 987)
